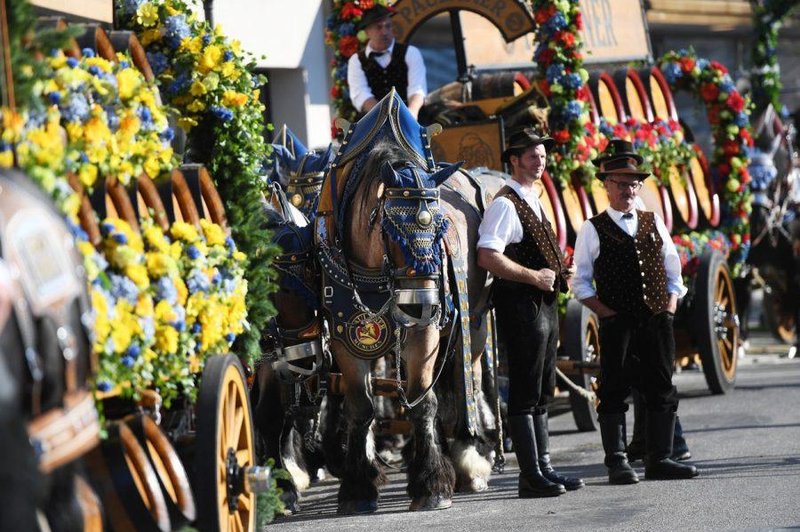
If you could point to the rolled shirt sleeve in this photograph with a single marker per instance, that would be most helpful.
(672, 262)
(417, 83)
(357, 83)
(587, 249)
(500, 226)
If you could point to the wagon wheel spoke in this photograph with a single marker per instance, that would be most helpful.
(244, 502)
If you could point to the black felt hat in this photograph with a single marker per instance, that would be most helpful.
(374, 14)
(619, 157)
(524, 138)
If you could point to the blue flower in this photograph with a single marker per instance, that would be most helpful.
(207, 39)
(182, 80)
(129, 7)
(347, 28)
(146, 117)
(223, 113)
(106, 228)
(167, 135)
(216, 278)
(230, 337)
(54, 97)
(193, 252)
(179, 325)
(230, 243)
(555, 23)
(124, 64)
(158, 62)
(672, 73)
(702, 63)
(72, 62)
(113, 119)
(227, 56)
(175, 30)
(573, 110)
(104, 386)
(572, 81)
(196, 328)
(128, 362)
(134, 351)
(123, 288)
(741, 120)
(726, 84)
(197, 282)
(77, 110)
(166, 291)
(119, 238)
(554, 73)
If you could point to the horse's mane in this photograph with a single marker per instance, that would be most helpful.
(384, 151)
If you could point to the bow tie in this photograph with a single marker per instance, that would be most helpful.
(627, 215)
(378, 54)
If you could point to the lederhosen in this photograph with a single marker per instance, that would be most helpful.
(637, 344)
(381, 80)
(527, 318)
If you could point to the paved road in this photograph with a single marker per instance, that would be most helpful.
(746, 445)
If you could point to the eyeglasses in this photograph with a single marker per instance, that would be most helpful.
(623, 185)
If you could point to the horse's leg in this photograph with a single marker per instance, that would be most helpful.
(334, 435)
(431, 478)
(269, 418)
(362, 474)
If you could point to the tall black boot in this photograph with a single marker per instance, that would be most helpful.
(636, 448)
(612, 431)
(658, 464)
(531, 481)
(543, 446)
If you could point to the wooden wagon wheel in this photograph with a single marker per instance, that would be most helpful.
(548, 198)
(149, 202)
(184, 206)
(581, 343)
(95, 38)
(91, 507)
(634, 95)
(126, 41)
(119, 205)
(224, 448)
(716, 322)
(172, 476)
(127, 483)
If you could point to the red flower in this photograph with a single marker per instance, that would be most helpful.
(543, 15)
(719, 66)
(724, 169)
(576, 55)
(561, 136)
(582, 93)
(687, 64)
(335, 91)
(350, 11)
(578, 21)
(735, 102)
(746, 137)
(546, 57)
(713, 115)
(366, 4)
(348, 46)
(566, 38)
(709, 92)
(744, 175)
(620, 132)
(730, 147)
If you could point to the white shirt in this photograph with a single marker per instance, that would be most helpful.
(357, 81)
(587, 249)
(501, 225)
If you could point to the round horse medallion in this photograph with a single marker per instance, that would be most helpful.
(368, 337)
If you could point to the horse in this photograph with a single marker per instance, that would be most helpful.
(380, 238)
(47, 416)
(287, 401)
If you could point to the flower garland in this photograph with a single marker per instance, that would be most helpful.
(562, 79)
(728, 113)
(208, 79)
(344, 40)
(692, 245)
(766, 74)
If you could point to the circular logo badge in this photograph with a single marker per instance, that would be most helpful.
(368, 336)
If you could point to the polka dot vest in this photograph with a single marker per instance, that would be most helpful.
(381, 80)
(629, 272)
(538, 248)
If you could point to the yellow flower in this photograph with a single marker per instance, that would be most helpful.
(152, 167)
(166, 339)
(184, 231)
(183, 292)
(164, 312)
(196, 106)
(149, 36)
(128, 81)
(214, 234)
(160, 264)
(138, 274)
(155, 238)
(99, 62)
(144, 306)
(197, 89)
(239, 256)
(211, 57)
(187, 123)
(147, 15)
(193, 45)
(6, 159)
(101, 324)
(228, 68)
(234, 99)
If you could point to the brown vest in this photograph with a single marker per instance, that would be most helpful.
(629, 271)
(381, 80)
(538, 248)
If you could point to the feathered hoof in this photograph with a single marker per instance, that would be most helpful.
(431, 502)
(363, 506)
(291, 504)
(476, 486)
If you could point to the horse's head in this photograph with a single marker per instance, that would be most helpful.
(412, 225)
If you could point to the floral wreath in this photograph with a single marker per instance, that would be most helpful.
(728, 113)
(342, 36)
(766, 74)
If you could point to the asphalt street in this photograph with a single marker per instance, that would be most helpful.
(746, 445)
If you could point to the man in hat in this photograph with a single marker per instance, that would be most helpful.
(383, 64)
(518, 246)
(629, 255)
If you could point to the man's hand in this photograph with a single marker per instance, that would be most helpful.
(544, 279)
(672, 306)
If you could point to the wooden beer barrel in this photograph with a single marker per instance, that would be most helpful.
(594, 115)
(72, 48)
(147, 202)
(119, 204)
(126, 41)
(683, 199)
(656, 199)
(707, 197)
(633, 94)
(577, 208)
(658, 90)
(86, 215)
(609, 101)
(95, 38)
(548, 197)
(184, 208)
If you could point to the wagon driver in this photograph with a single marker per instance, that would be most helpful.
(518, 246)
(629, 255)
(383, 64)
